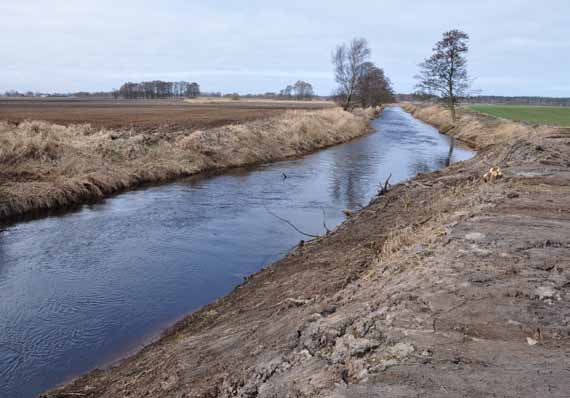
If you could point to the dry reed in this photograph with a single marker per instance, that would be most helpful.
(46, 166)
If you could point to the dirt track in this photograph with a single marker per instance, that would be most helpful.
(445, 286)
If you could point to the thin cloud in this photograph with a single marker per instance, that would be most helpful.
(258, 46)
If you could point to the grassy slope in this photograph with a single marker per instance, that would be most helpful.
(45, 166)
(554, 115)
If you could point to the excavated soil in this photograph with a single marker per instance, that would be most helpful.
(444, 286)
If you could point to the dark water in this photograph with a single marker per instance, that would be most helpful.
(79, 290)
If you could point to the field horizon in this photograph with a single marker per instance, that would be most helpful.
(540, 114)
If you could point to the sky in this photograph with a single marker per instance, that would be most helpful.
(517, 47)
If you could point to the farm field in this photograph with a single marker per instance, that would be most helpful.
(553, 115)
(145, 114)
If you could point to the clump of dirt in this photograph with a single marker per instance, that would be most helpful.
(462, 291)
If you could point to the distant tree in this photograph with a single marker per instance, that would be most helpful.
(303, 90)
(373, 87)
(287, 92)
(232, 96)
(348, 61)
(193, 90)
(444, 74)
(158, 89)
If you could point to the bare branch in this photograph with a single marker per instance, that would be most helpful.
(325, 221)
(290, 224)
(384, 188)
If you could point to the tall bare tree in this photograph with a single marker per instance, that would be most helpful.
(444, 74)
(373, 87)
(348, 61)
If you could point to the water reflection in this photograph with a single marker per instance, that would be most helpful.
(81, 289)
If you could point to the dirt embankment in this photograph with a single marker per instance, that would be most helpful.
(44, 166)
(446, 286)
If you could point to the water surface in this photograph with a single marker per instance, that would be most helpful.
(79, 290)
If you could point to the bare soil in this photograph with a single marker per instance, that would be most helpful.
(144, 114)
(444, 286)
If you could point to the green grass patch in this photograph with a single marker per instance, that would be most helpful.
(555, 115)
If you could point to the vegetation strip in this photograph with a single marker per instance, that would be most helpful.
(46, 166)
(553, 115)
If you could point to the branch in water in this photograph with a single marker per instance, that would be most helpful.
(325, 221)
(384, 189)
(291, 224)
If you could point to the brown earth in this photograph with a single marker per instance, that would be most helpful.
(445, 286)
(144, 114)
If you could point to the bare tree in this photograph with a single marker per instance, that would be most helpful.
(193, 90)
(300, 90)
(158, 89)
(373, 87)
(348, 61)
(444, 74)
(287, 92)
(303, 90)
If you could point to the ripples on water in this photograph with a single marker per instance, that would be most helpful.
(79, 290)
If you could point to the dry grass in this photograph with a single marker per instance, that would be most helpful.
(46, 166)
(476, 129)
(409, 244)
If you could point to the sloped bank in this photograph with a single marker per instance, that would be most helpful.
(444, 286)
(474, 128)
(45, 166)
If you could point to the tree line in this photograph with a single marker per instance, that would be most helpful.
(157, 89)
(442, 76)
(360, 82)
(490, 99)
(500, 100)
(301, 90)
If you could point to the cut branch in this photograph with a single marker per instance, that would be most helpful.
(291, 224)
(325, 222)
(384, 188)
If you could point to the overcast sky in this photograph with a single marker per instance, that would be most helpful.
(518, 47)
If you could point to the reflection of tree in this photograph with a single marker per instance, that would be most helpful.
(419, 166)
(3, 257)
(349, 165)
(444, 161)
(411, 151)
(450, 153)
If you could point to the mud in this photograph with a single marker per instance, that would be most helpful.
(443, 286)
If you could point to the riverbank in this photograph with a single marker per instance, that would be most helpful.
(444, 286)
(45, 166)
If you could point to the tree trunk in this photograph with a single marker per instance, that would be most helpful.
(452, 109)
(347, 104)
